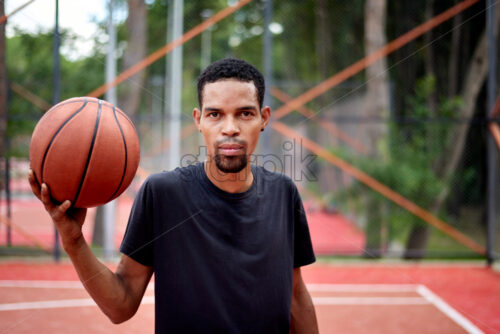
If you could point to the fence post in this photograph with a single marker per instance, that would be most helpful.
(492, 150)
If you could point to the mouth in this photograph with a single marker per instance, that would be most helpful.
(230, 149)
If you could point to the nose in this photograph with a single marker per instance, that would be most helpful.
(230, 127)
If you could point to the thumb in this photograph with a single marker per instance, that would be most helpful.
(60, 211)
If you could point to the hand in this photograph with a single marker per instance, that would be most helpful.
(67, 220)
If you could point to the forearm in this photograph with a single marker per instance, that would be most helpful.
(117, 294)
(106, 288)
(303, 315)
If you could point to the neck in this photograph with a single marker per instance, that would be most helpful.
(229, 182)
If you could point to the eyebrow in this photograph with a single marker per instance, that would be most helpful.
(247, 108)
(210, 109)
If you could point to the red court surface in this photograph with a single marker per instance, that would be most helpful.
(350, 298)
(331, 233)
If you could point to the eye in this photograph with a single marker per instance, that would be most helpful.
(246, 114)
(213, 114)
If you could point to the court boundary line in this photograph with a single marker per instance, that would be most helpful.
(363, 301)
(427, 297)
(50, 284)
(448, 310)
(62, 303)
(363, 287)
(76, 284)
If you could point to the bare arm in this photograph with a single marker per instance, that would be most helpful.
(303, 315)
(117, 294)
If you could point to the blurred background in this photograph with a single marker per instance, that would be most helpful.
(383, 111)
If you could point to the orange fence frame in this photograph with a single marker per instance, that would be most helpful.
(371, 58)
(29, 96)
(298, 102)
(333, 129)
(131, 71)
(495, 132)
(496, 107)
(379, 187)
(4, 18)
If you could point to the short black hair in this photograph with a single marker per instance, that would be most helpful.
(232, 68)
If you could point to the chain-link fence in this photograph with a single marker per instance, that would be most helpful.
(389, 153)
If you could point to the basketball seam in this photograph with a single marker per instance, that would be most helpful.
(77, 100)
(126, 117)
(126, 157)
(55, 135)
(82, 179)
(117, 110)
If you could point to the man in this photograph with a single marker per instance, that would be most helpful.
(225, 239)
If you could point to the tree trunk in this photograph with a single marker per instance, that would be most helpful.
(452, 154)
(453, 64)
(130, 97)
(417, 241)
(377, 95)
(323, 39)
(474, 80)
(376, 108)
(429, 58)
(3, 84)
(419, 234)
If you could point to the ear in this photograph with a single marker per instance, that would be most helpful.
(197, 117)
(265, 117)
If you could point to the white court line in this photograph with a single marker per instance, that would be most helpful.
(47, 284)
(369, 301)
(364, 287)
(51, 304)
(84, 302)
(41, 284)
(311, 287)
(428, 297)
(448, 310)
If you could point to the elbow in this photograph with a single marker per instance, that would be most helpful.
(120, 316)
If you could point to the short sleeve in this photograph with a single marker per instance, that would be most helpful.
(138, 241)
(303, 250)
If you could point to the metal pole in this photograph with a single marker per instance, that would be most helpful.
(206, 40)
(55, 100)
(175, 85)
(267, 55)
(492, 150)
(206, 53)
(109, 210)
(7, 196)
(157, 114)
(167, 81)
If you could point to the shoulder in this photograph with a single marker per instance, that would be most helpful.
(275, 179)
(173, 179)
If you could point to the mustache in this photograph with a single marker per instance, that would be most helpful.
(231, 141)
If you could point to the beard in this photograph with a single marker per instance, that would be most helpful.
(232, 163)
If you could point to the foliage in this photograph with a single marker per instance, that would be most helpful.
(405, 165)
(30, 64)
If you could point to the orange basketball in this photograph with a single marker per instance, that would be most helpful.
(86, 150)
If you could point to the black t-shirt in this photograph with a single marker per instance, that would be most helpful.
(223, 262)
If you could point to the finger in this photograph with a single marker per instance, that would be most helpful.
(35, 187)
(45, 197)
(60, 211)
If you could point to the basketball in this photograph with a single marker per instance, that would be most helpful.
(86, 150)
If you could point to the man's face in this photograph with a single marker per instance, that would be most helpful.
(230, 122)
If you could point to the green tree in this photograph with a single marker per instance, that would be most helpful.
(30, 65)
